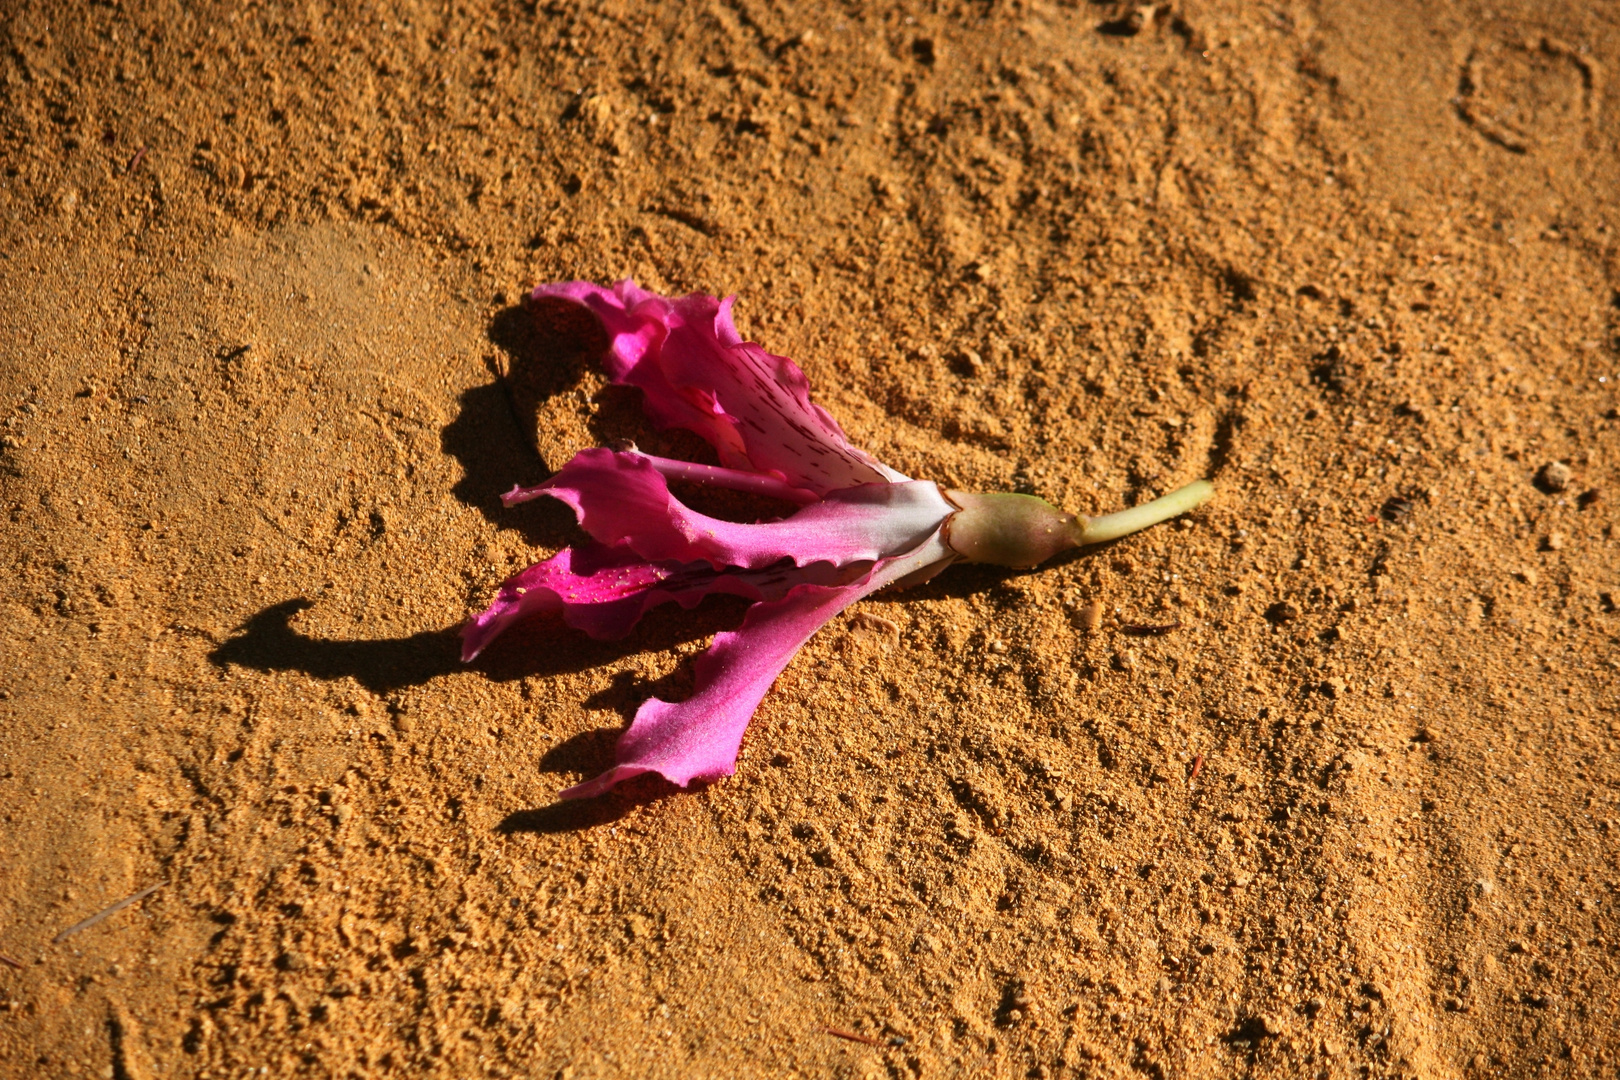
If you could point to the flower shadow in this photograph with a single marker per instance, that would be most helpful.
(576, 815)
(539, 647)
(544, 350)
(585, 755)
(267, 642)
(488, 442)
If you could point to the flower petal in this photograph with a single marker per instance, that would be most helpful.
(698, 739)
(622, 498)
(730, 479)
(697, 372)
(605, 590)
(688, 472)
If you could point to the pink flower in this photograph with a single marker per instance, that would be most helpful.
(861, 525)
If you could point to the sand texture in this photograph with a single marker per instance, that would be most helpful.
(265, 370)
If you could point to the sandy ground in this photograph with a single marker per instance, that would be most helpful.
(1356, 816)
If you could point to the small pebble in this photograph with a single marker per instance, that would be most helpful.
(1335, 688)
(1554, 541)
(1555, 476)
(1089, 617)
(1282, 612)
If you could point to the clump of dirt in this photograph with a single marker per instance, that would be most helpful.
(1320, 781)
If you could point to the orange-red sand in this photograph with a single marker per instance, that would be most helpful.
(1357, 262)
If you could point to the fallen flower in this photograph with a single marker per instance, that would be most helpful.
(861, 525)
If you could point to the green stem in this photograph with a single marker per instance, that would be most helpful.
(1113, 526)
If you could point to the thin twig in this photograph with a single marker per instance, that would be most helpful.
(85, 924)
(1147, 630)
(853, 1036)
(135, 162)
(4, 959)
(1198, 767)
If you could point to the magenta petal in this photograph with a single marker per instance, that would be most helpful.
(730, 479)
(604, 591)
(613, 579)
(696, 372)
(689, 472)
(698, 739)
(620, 498)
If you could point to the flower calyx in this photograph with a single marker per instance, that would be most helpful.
(1021, 531)
(1007, 529)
